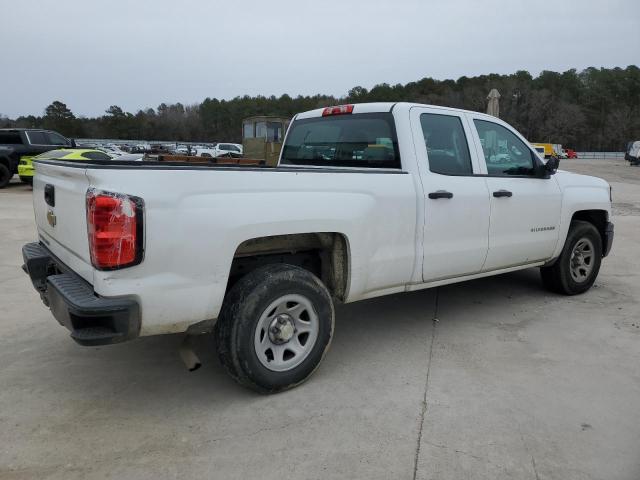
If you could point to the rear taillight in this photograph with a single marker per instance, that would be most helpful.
(337, 110)
(114, 224)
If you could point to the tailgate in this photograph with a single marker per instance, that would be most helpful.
(59, 203)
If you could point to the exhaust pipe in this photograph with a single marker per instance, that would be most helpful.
(188, 354)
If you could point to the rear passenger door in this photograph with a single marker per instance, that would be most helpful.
(525, 207)
(456, 203)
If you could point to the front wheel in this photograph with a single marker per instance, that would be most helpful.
(579, 263)
(275, 326)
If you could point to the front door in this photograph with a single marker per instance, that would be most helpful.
(456, 203)
(525, 208)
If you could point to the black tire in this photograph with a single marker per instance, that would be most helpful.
(27, 180)
(557, 277)
(244, 308)
(5, 176)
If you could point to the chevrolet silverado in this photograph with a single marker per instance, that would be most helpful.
(366, 200)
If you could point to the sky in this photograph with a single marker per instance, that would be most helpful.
(136, 54)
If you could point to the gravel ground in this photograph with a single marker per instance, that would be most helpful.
(511, 382)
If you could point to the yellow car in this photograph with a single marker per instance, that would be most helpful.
(26, 170)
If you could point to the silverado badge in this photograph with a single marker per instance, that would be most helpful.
(51, 218)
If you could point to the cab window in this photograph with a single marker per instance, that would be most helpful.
(37, 138)
(56, 139)
(363, 140)
(504, 153)
(447, 148)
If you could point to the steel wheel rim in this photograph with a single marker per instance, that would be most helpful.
(582, 259)
(286, 333)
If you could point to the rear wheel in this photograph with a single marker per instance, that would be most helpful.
(579, 263)
(275, 326)
(5, 175)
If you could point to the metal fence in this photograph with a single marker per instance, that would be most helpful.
(600, 155)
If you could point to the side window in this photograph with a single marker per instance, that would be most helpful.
(447, 148)
(57, 139)
(37, 138)
(10, 138)
(504, 153)
(247, 130)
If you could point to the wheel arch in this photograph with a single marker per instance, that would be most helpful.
(325, 254)
(598, 218)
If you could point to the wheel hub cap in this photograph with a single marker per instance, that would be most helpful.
(286, 332)
(281, 329)
(582, 258)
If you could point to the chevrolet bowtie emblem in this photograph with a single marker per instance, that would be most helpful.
(51, 218)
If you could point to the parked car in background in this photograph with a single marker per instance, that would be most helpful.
(632, 155)
(26, 169)
(558, 150)
(207, 152)
(221, 150)
(366, 200)
(131, 157)
(112, 150)
(539, 150)
(141, 148)
(570, 153)
(229, 149)
(548, 149)
(22, 144)
(185, 150)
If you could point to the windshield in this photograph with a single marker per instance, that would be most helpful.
(361, 140)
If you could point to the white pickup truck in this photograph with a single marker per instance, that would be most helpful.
(367, 200)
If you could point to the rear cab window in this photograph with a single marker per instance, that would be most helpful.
(363, 140)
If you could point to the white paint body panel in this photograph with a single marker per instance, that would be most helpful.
(398, 239)
(192, 233)
(68, 240)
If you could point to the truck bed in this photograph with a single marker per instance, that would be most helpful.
(196, 217)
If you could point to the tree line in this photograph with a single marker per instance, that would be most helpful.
(597, 109)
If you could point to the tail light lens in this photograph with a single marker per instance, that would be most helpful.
(114, 224)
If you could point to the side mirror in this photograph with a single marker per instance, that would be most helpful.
(552, 165)
(72, 142)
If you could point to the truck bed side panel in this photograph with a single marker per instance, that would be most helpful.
(196, 219)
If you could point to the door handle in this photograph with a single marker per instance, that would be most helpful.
(440, 194)
(502, 193)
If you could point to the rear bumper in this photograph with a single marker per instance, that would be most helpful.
(92, 320)
(608, 239)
